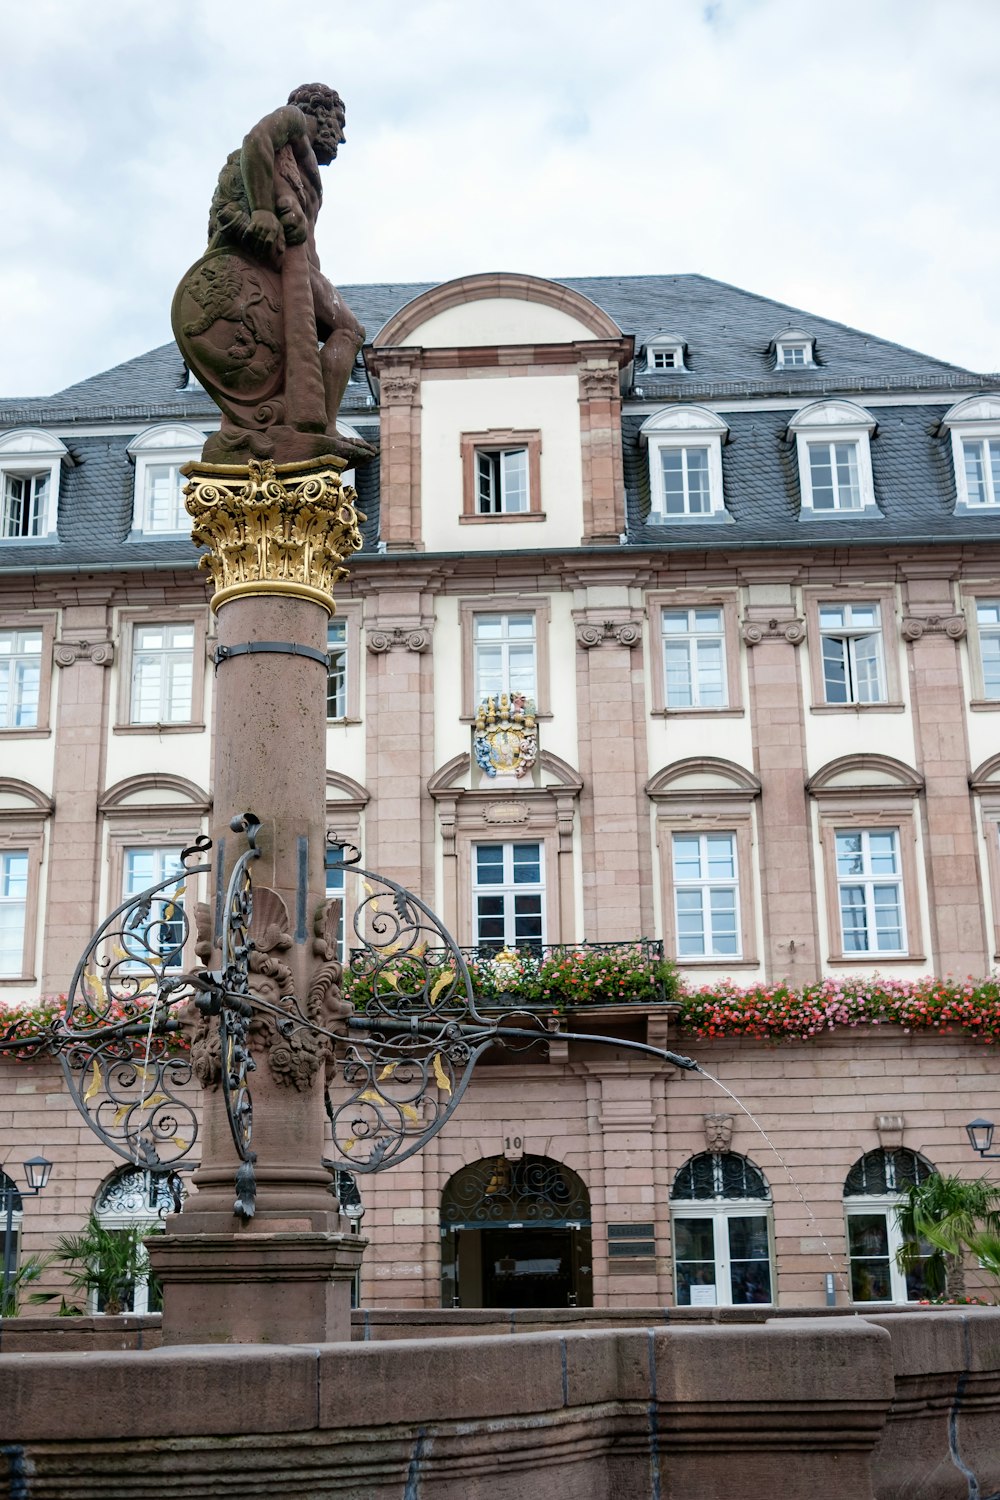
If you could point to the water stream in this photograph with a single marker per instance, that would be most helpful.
(837, 1271)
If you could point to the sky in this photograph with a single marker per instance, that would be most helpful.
(840, 157)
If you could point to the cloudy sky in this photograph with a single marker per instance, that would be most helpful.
(839, 156)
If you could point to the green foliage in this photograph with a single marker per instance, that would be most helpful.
(953, 1216)
(99, 1260)
(25, 1275)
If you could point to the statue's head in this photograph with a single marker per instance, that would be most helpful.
(325, 106)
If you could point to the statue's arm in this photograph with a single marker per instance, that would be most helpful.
(257, 165)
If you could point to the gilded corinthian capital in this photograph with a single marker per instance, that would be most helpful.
(273, 528)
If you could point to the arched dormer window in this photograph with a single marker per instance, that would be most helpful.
(872, 1193)
(665, 352)
(158, 454)
(685, 464)
(794, 349)
(30, 462)
(975, 446)
(722, 1232)
(835, 465)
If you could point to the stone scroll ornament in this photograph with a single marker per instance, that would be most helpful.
(269, 338)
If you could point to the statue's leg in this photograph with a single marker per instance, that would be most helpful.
(337, 359)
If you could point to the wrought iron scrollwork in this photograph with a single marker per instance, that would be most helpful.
(423, 1031)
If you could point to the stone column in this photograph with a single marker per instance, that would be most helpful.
(400, 445)
(933, 629)
(277, 536)
(617, 855)
(83, 652)
(773, 632)
(601, 451)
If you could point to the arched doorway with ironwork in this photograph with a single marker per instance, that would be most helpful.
(516, 1233)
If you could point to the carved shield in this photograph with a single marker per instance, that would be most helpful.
(228, 322)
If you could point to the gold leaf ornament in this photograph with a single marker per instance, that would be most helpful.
(440, 1076)
(94, 1086)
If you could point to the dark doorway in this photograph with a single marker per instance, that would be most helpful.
(516, 1234)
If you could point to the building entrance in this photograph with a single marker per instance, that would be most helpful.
(516, 1234)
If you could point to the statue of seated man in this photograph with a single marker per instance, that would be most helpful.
(268, 336)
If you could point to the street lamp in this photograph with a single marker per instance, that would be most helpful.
(980, 1133)
(36, 1170)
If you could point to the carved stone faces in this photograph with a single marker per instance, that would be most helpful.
(718, 1133)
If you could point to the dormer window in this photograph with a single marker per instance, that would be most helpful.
(975, 444)
(835, 466)
(159, 453)
(30, 462)
(665, 352)
(794, 350)
(685, 464)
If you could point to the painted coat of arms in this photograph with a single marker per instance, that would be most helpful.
(505, 738)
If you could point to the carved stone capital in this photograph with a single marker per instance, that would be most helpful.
(399, 390)
(755, 631)
(599, 384)
(273, 528)
(399, 638)
(66, 653)
(914, 626)
(627, 633)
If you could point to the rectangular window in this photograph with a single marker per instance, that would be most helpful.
(665, 359)
(13, 911)
(790, 355)
(163, 498)
(834, 475)
(873, 1240)
(336, 891)
(686, 482)
(722, 1260)
(20, 677)
(155, 936)
(25, 505)
(988, 621)
(853, 668)
(508, 892)
(502, 481)
(706, 895)
(336, 682)
(870, 890)
(982, 470)
(162, 673)
(504, 657)
(694, 657)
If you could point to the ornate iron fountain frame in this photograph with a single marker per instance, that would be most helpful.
(405, 1061)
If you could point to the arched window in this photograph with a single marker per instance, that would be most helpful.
(872, 1192)
(134, 1198)
(722, 1231)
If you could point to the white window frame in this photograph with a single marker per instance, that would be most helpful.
(508, 889)
(706, 884)
(337, 670)
(848, 636)
(336, 890)
(693, 638)
(975, 420)
(120, 1219)
(720, 1215)
(9, 667)
(666, 348)
(887, 1204)
(16, 904)
(685, 428)
(170, 656)
(164, 856)
(868, 880)
(791, 342)
(32, 454)
(988, 630)
(499, 492)
(829, 423)
(505, 642)
(170, 446)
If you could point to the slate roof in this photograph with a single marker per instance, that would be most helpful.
(728, 333)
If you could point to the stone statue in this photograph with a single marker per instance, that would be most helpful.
(257, 322)
(718, 1132)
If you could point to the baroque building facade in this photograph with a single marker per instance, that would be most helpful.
(677, 622)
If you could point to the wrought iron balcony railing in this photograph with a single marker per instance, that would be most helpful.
(546, 977)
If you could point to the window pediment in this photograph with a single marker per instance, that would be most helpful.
(31, 443)
(702, 773)
(860, 775)
(173, 437)
(974, 409)
(679, 420)
(832, 416)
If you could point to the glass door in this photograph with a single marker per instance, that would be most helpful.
(722, 1260)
